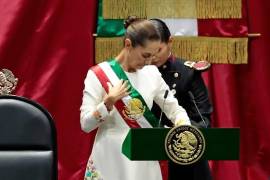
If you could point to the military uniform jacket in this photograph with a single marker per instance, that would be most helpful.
(182, 79)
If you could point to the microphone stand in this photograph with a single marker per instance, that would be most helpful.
(163, 104)
(196, 107)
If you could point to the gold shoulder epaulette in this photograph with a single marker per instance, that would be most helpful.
(199, 66)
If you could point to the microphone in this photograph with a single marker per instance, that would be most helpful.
(161, 113)
(196, 107)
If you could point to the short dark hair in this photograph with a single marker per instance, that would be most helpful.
(140, 30)
(162, 28)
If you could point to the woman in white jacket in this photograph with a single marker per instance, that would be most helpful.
(118, 95)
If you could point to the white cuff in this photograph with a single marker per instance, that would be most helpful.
(102, 110)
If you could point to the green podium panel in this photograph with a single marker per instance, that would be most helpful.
(148, 144)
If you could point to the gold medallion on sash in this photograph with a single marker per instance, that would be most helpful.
(134, 109)
(184, 144)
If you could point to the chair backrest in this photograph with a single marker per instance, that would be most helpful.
(27, 141)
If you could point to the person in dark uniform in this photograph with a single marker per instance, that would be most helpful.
(185, 81)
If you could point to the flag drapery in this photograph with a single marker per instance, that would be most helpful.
(188, 42)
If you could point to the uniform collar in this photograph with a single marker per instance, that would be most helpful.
(171, 58)
(167, 65)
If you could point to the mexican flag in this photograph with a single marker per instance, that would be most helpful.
(220, 40)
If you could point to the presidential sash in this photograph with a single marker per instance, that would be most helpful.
(132, 108)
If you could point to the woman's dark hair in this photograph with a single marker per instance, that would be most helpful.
(163, 29)
(139, 31)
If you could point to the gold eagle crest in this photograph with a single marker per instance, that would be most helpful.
(184, 144)
(134, 109)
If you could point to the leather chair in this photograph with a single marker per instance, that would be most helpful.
(27, 141)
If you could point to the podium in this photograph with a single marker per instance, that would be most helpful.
(148, 144)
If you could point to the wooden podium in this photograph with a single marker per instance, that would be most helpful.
(148, 144)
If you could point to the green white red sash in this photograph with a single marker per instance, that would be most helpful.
(112, 72)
